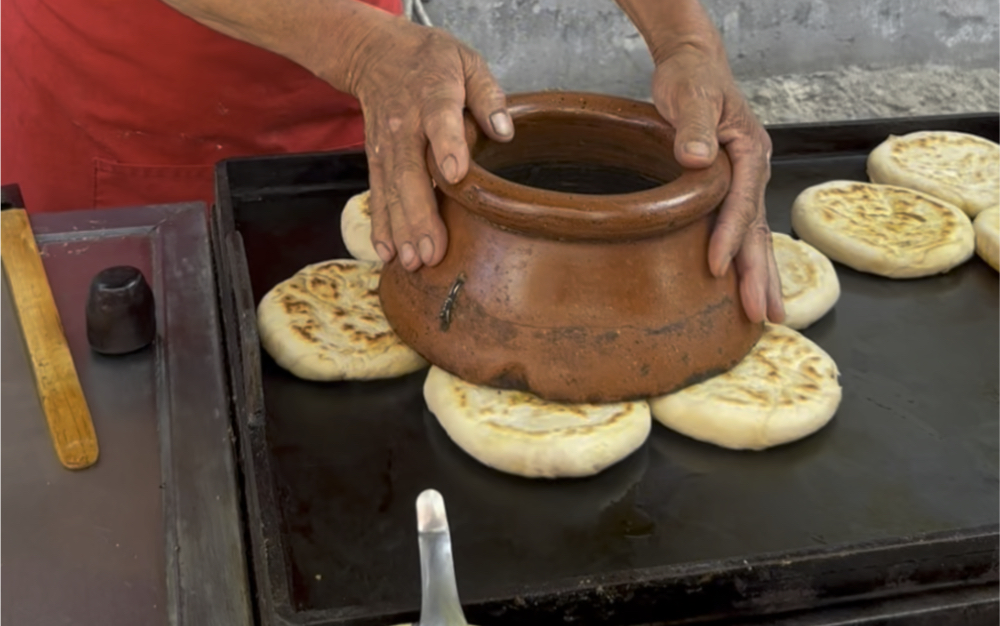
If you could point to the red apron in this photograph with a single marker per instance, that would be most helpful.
(108, 103)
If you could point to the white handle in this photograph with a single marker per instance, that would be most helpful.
(440, 605)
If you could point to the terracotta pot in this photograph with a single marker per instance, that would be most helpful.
(578, 295)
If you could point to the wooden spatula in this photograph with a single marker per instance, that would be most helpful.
(56, 380)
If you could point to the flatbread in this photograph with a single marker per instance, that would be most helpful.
(519, 433)
(987, 226)
(961, 169)
(356, 228)
(786, 389)
(326, 323)
(809, 283)
(883, 230)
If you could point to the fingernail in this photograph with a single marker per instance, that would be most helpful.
(426, 250)
(383, 252)
(501, 123)
(724, 267)
(449, 167)
(697, 148)
(407, 255)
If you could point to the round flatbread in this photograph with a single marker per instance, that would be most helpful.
(961, 169)
(987, 226)
(356, 228)
(884, 230)
(326, 323)
(786, 389)
(809, 283)
(519, 433)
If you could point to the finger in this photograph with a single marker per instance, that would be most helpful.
(381, 236)
(485, 99)
(752, 268)
(775, 303)
(735, 217)
(695, 114)
(445, 129)
(398, 224)
(417, 228)
(426, 225)
(743, 205)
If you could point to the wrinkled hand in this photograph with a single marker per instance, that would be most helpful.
(695, 92)
(413, 83)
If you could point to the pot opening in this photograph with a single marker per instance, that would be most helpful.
(584, 178)
(581, 154)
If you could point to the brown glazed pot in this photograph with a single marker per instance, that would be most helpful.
(576, 297)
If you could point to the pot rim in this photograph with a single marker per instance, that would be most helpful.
(570, 216)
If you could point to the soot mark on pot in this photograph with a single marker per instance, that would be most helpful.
(481, 324)
(704, 317)
(569, 333)
(669, 329)
(609, 337)
(701, 377)
(512, 377)
(449, 302)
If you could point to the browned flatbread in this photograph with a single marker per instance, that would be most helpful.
(961, 169)
(326, 323)
(809, 283)
(786, 389)
(519, 433)
(356, 228)
(889, 231)
(987, 225)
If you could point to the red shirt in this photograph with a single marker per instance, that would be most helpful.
(108, 103)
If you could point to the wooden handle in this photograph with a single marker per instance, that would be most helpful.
(56, 379)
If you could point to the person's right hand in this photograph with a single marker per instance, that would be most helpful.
(413, 83)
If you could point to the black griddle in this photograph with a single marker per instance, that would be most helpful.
(895, 503)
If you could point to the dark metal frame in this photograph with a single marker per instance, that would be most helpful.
(206, 577)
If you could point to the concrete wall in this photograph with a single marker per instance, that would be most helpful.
(590, 44)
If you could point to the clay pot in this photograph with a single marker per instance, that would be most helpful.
(595, 289)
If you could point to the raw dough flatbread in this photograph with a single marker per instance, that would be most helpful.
(786, 389)
(326, 323)
(356, 228)
(519, 433)
(987, 225)
(809, 283)
(884, 230)
(961, 169)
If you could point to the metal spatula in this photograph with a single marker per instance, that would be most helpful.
(440, 605)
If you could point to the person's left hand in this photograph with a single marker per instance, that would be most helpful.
(694, 91)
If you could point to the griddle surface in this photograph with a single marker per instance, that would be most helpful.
(913, 448)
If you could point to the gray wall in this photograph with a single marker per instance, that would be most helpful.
(590, 45)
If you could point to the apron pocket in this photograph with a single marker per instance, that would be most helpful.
(121, 185)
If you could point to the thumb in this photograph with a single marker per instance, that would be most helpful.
(696, 144)
(485, 99)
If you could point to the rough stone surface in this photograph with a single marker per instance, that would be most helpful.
(591, 45)
(855, 93)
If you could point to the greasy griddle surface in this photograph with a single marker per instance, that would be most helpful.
(913, 448)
